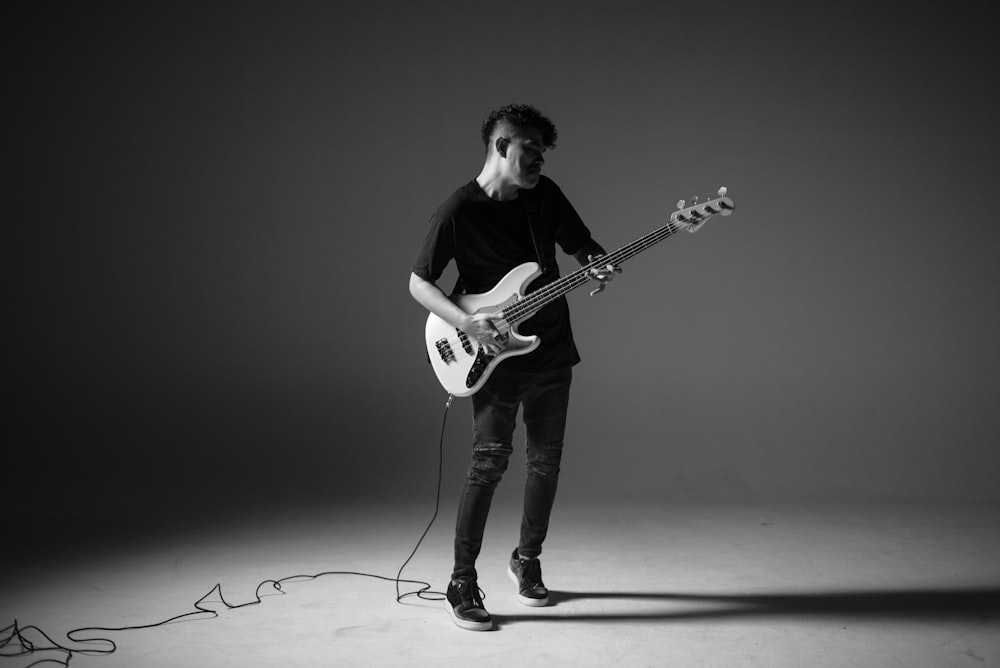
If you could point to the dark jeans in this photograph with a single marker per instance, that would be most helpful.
(545, 398)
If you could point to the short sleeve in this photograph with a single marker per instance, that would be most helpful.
(572, 232)
(438, 248)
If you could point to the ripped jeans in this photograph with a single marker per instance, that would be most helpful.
(545, 399)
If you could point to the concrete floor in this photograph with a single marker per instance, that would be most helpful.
(635, 585)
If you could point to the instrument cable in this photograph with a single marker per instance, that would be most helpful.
(15, 643)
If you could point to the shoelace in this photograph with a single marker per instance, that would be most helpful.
(471, 594)
(531, 572)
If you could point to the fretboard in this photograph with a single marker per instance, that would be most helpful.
(535, 301)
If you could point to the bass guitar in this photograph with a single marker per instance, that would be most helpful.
(462, 366)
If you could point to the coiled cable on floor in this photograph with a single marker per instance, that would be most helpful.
(15, 640)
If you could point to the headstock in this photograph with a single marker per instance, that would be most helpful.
(692, 217)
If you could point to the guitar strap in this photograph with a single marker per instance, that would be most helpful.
(531, 230)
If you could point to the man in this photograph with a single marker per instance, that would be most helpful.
(508, 215)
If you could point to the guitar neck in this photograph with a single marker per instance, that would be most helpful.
(535, 301)
(690, 219)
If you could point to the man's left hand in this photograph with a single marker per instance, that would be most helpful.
(604, 274)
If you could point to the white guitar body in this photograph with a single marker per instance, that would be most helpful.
(460, 363)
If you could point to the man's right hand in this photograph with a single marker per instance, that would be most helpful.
(480, 328)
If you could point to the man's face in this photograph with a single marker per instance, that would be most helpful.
(523, 163)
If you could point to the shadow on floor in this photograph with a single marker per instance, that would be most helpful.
(926, 604)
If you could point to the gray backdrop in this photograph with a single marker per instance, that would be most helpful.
(212, 209)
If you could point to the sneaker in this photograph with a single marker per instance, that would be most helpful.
(527, 575)
(464, 601)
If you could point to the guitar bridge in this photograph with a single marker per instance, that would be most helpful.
(445, 351)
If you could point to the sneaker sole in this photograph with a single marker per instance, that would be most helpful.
(465, 623)
(525, 600)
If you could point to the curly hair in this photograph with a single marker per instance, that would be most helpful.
(523, 115)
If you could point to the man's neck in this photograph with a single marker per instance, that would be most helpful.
(495, 186)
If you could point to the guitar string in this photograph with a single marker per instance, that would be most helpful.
(526, 306)
(530, 303)
(581, 276)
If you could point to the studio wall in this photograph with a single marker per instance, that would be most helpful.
(212, 210)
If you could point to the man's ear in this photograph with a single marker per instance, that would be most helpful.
(501, 145)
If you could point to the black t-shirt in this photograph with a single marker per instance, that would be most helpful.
(488, 238)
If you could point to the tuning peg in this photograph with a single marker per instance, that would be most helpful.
(722, 191)
(694, 200)
(680, 204)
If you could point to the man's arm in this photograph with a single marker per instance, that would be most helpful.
(479, 326)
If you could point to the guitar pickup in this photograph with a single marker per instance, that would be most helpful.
(464, 338)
